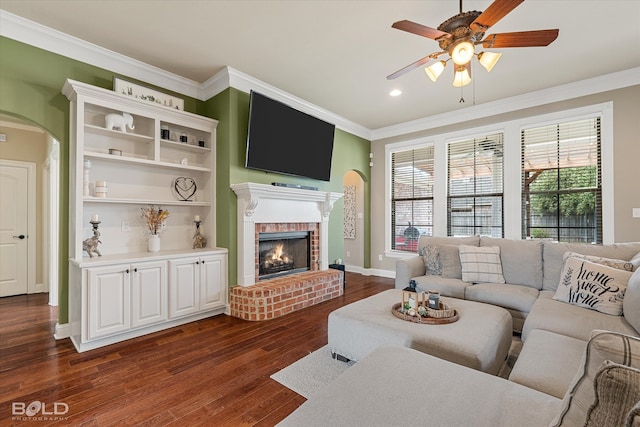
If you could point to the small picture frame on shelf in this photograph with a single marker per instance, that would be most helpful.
(146, 94)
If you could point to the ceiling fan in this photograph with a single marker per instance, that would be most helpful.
(459, 35)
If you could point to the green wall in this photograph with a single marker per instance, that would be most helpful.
(31, 80)
(350, 152)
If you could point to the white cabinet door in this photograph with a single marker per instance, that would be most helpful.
(109, 292)
(213, 275)
(148, 293)
(184, 285)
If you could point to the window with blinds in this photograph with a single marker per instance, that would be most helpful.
(475, 187)
(562, 181)
(411, 197)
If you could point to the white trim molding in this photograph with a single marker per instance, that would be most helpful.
(63, 330)
(262, 203)
(29, 32)
(573, 90)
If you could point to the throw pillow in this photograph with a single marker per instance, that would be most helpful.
(594, 286)
(481, 264)
(450, 261)
(617, 389)
(431, 256)
(603, 345)
(620, 264)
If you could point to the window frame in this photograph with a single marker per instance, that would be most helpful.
(512, 203)
(556, 152)
(476, 140)
(394, 201)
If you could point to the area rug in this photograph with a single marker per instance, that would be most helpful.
(311, 373)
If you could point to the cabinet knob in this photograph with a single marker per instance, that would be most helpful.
(135, 270)
(127, 271)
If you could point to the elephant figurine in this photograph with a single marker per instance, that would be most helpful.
(119, 121)
(91, 244)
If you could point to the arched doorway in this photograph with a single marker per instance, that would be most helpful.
(27, 143)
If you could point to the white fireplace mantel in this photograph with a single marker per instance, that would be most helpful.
(262, 203)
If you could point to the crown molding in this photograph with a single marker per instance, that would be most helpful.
(34, 34)
(29, 32)
(565, 92)
(37, 35)
(230, 77)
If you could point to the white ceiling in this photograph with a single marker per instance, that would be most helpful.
(337, 54)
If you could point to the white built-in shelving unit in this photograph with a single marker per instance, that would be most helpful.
(129, 291)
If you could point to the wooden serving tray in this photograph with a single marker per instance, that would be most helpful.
(395, 310)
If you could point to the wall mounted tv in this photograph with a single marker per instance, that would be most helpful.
(284, 140)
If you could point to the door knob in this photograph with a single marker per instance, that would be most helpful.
(22, 236)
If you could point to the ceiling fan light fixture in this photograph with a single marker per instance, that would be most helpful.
(461, 76)
(462, 52)
(488, 59)
(434, 70)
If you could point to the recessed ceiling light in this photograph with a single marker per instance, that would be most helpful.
(395, 92)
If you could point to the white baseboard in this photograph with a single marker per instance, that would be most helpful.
(391, 274)
(62, 331)
(370, 271)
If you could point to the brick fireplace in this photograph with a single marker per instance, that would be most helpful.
(271, 209)
(305, 234)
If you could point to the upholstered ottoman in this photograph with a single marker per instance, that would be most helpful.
(479, 339)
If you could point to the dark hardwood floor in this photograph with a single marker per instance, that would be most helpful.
(211, 372)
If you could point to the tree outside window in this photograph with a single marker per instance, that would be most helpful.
(562, 181)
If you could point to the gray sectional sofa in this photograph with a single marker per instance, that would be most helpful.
(557, 375)
(531, 270)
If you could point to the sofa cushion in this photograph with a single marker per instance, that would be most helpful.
(548, 362)
(382, 390)
(617, 389)
(631, 302)
(571, 320)
(594, 286)
(635, 261)
(450, 261)
(481, 264)
(620, 264)
(515, 297)
(447, 287)
(603, 345)
(553, 252)
(521, 260)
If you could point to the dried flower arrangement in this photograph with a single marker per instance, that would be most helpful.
(155, 218)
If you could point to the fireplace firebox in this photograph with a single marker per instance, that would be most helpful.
(283, 253)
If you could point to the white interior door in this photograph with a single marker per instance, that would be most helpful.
(15, 180)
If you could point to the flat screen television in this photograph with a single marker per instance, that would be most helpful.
(284, 140)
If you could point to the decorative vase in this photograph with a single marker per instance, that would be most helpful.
(153, 244)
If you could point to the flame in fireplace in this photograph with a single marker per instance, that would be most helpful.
(277, 252)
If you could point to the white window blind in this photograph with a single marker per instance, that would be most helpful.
(411, 197)
(475, 187)
(562, 181)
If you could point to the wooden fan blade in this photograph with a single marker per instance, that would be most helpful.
(495, 12)
(410, 67)
(419, 29)
(521, 39)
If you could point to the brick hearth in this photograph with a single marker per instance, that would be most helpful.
(276, 297)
